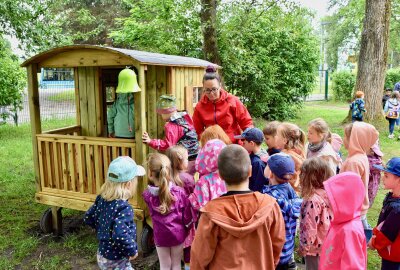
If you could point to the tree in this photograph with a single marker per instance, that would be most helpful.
(208, 16)
(373, 56)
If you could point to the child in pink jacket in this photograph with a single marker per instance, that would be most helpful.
(345, 246)
(210, 185)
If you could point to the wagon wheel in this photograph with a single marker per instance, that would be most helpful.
(46, 221)
(147, 239)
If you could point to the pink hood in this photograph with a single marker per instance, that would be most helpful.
(345, 245)
(207, 159)
(346, 194)
(363, 136)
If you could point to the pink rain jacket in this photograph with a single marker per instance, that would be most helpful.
(345, 247)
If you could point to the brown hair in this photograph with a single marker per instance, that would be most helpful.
(214, 132)
(314, 172)
(359, 94)
(160, 166)
(347, 130)
(234, 164)
(296, 138)
(321, 127)
(211, 74)
(271, 128)
(176, 155)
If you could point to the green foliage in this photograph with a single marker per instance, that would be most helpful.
(12, 78)
(270, 62)
(343, 83)
(392, 77)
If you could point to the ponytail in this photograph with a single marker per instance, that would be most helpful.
(211, 74)
(177, 154)
(296, 138)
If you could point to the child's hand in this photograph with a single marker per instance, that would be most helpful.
(111, 135)
(131, 258)
(146, 138)
(370, 242)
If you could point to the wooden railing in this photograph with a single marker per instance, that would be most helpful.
(75, 167)
(72, 130)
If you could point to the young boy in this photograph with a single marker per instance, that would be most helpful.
(280, 170)
(241, 229)
(386, 236)
(358, 107)
(269, 135)
(386, 96)
(252, 139)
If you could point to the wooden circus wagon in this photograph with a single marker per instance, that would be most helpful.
(71, 163)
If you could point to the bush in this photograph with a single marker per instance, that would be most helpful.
(343, 83)
(392, 77)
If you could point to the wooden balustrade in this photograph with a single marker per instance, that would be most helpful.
(74, 168)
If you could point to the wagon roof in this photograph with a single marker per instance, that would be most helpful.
(140, 56)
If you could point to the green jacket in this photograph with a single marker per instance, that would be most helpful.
(120, 117)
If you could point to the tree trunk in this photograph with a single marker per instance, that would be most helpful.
(208, 17)
(372, 61)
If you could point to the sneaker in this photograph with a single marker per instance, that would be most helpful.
(391, 136)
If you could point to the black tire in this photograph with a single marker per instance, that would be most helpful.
(46, 221)
(147, 240)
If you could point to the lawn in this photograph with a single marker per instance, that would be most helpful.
(65, 96)
(23, 246)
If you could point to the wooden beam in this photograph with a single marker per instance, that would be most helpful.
(34, 112)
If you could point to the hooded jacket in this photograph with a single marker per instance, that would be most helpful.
(363, 136)
(243, 231)
(387, 240)
(210, 185)
(120, 117)
(228, 112)
(345, 245)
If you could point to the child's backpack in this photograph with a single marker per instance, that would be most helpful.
(393, 110)
(355, 110)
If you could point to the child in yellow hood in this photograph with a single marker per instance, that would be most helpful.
(359, 137)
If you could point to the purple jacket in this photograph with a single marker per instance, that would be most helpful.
(169, 229)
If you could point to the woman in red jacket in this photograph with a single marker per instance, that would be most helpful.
(218, 107)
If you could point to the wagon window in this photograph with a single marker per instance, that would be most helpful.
(197, 91)
(110, 94)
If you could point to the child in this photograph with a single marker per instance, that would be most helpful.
(386, 96)
(252, 139)
(344, 246)
(210, 185)
(290, 139)
(120, 118)
(241, 229)
(337, 143)
(112, 216)
(374, 158)
(178, 130)
(214, 132)
(392, 110)
(357, 107)
(269, 135)
(179, 162)
(280, 169)
(319, 143)
(359, 137)
(169, 211)
(316, 213)
(386, 237)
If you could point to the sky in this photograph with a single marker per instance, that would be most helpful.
(319, 6)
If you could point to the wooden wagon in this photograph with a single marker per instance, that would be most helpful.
(70, 163)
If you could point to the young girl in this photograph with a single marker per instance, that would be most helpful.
(386, 238)
(179, 130)
(179, 162)
(210, 185)
(316, 213)
(214, 132)
(112, 216)
(290, 139)
(359, 137)
(169, 211)
(319, 143)
(374, 158)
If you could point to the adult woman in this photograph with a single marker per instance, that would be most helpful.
(218, 107)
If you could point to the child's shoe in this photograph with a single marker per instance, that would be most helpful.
(391, 136)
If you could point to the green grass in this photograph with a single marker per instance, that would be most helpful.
(63, 96)
(23, 247)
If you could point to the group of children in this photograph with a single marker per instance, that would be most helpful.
(243, 210)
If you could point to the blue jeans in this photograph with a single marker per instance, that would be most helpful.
(392, 122)
(388, 265)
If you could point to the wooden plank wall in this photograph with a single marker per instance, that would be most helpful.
(90, 101)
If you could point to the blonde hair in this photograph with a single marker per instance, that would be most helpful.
(314, 172)
(176, 155)
(110, 190)
(214, 132)
(347, 130)
(296, 138)
(271, 128)
(160, 166)
(321, 127)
